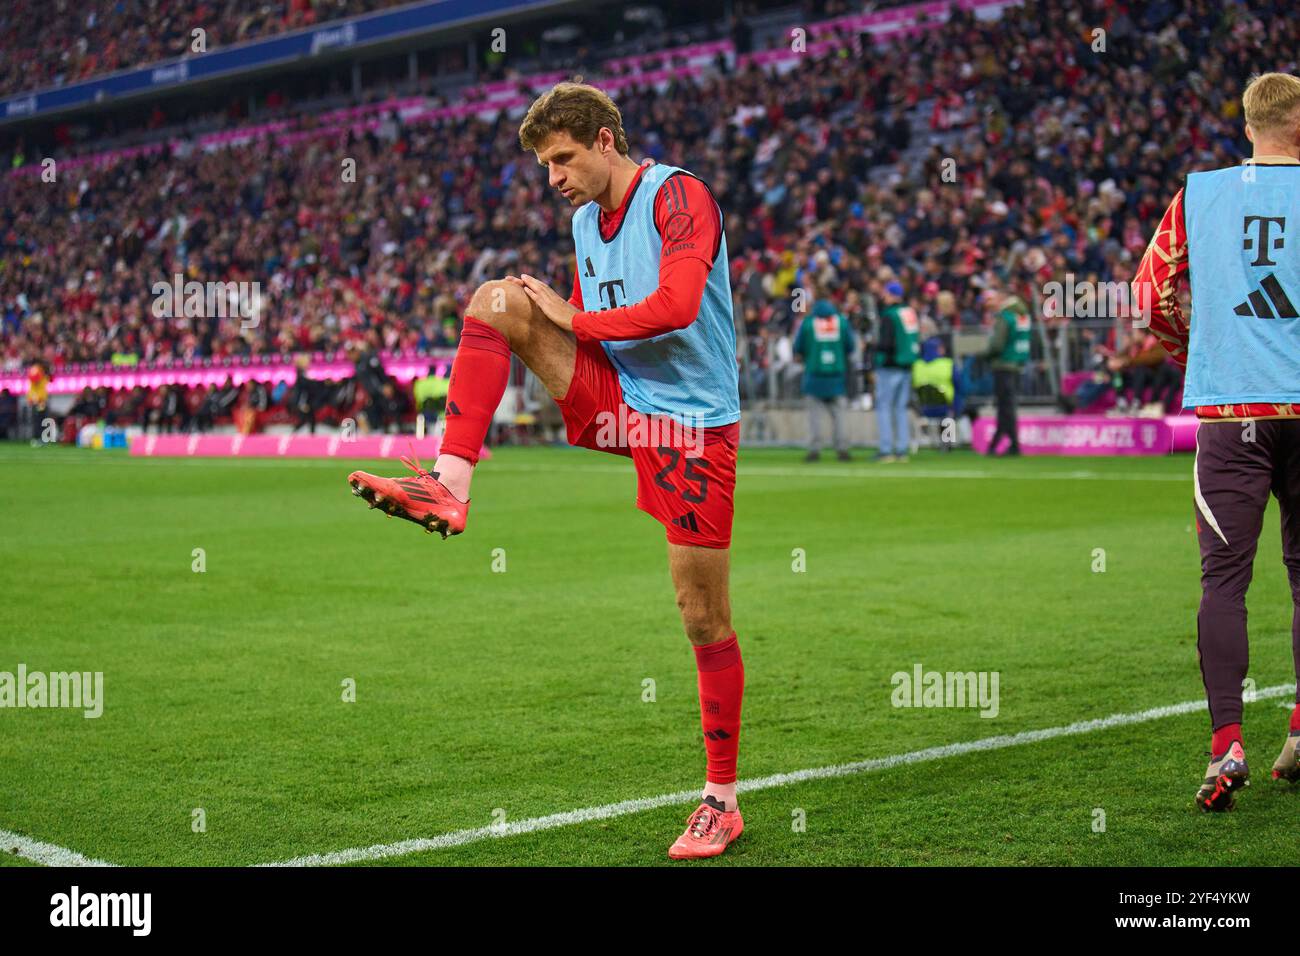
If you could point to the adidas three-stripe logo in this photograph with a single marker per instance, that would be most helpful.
(1257, 305)
(414, 490)
(687, 521)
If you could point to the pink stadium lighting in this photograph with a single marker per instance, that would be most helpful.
(404, 369)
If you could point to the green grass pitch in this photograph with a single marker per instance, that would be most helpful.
(520, 693)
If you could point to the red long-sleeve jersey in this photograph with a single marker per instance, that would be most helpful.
(1159, 274)
(685, 261)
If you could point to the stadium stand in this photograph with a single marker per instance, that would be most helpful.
(45, 43)
(854, 160)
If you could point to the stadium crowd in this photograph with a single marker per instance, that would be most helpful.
(57, 42)
(1053, 156)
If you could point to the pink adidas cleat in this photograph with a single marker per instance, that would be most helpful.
(422, 499)
(709, 831)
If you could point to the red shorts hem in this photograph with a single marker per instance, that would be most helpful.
(594, 388)
(686, 478)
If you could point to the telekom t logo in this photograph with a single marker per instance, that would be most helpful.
(1264, 247)
(606, 290)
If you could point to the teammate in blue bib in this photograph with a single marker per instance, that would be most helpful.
(1235, 233)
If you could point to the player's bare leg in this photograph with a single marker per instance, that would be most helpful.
(543, 346)
(701, 578)
(501, 319)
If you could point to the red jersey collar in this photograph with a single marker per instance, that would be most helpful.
(609, 222)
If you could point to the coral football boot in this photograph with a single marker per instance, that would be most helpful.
(709, 831)
(422, 499)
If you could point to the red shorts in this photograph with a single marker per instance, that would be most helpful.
(685, 479)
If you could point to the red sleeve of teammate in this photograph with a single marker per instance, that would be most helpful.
(691, 229)
(1156, 283)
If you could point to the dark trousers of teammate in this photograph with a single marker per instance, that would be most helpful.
(1237, 465)
(1005, 384)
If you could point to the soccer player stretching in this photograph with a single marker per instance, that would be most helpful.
(1236, 233)
(641, 359)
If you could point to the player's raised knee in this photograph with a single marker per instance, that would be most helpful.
(500, 304)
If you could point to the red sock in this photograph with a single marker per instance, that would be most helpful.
(478, 380)
(722, 685)
(1223, 738)
(1295, 719)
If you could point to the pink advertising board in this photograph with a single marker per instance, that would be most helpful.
(286, 446)
(1095, 435)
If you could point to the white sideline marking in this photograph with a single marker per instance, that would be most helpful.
(44, 853)
(586, 815)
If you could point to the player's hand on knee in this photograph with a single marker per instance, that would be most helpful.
(557, 309)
